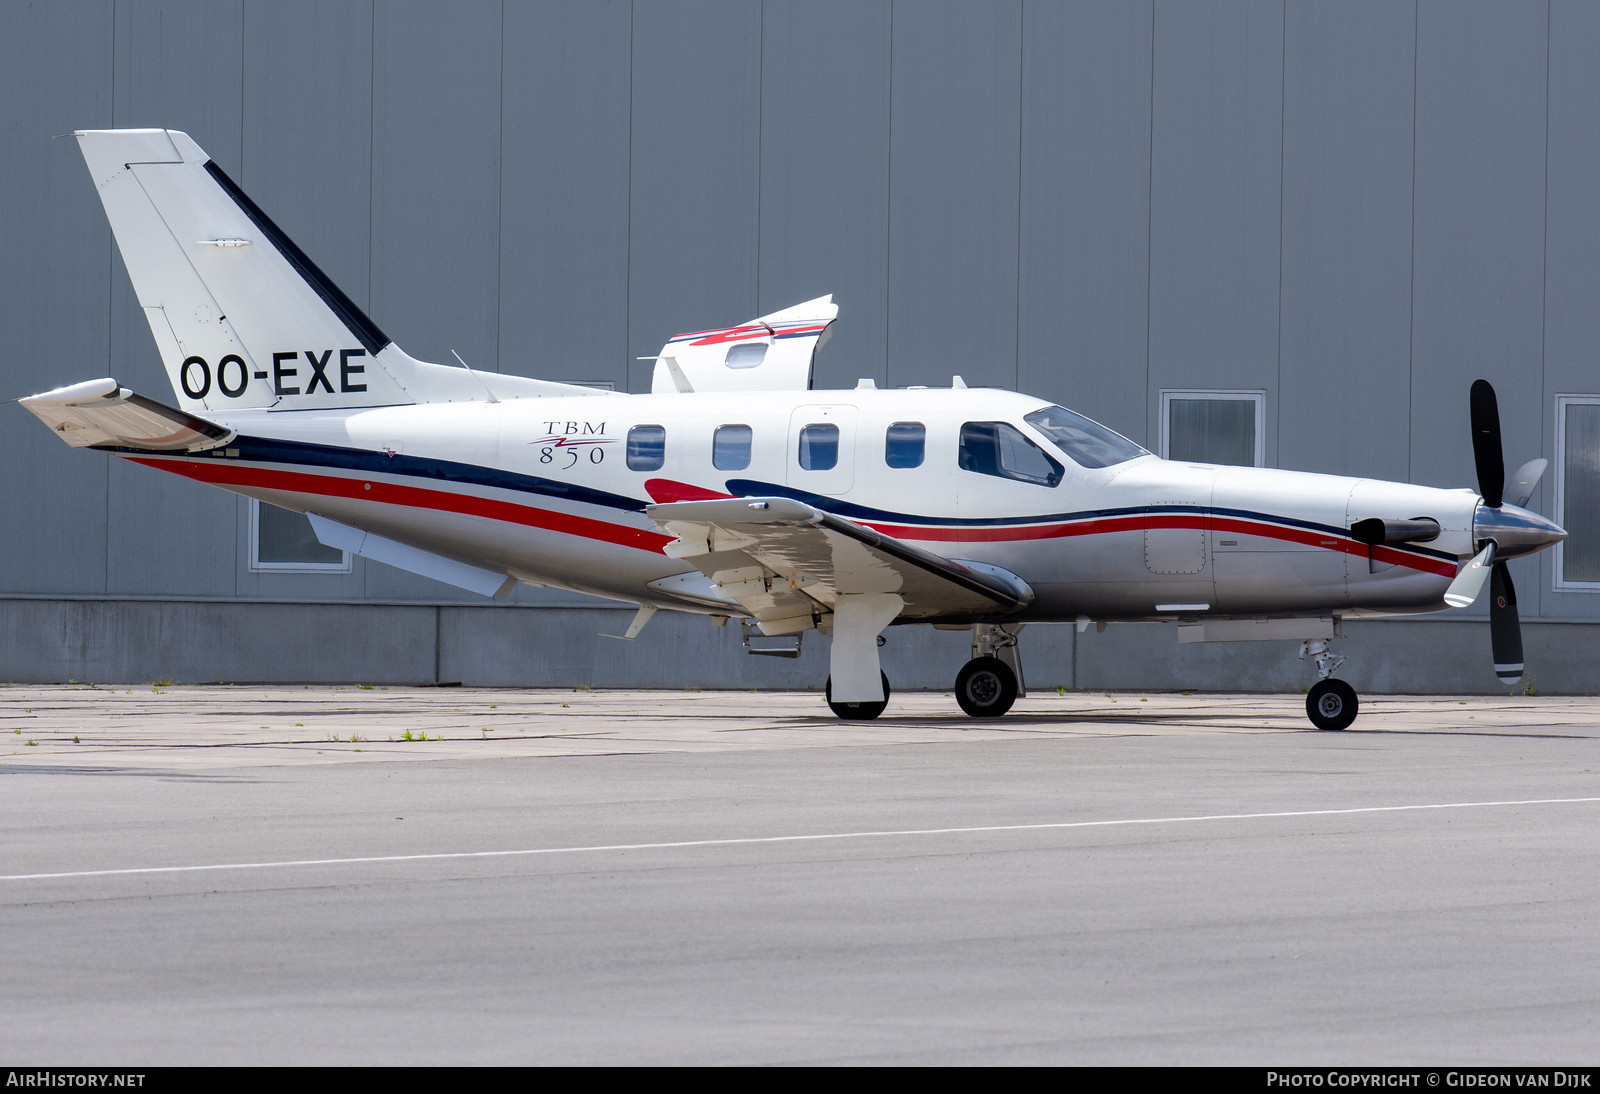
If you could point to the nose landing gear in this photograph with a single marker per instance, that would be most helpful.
(1331, 704)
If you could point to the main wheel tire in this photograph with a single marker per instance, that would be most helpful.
(986, 687)
(857, 712)
(1332, 704)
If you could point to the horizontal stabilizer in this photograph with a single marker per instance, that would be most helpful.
(102, 413)
(772, 353)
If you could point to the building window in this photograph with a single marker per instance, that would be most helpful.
(730, 447)
(1213, 427)
(281, 540)
(647, 447)
(819, 447)
(1577, 557)
(904, 444)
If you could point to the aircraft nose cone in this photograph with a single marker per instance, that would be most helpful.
(1515, 531)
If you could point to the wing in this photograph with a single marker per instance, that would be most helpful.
(100, 412)
(783, 561)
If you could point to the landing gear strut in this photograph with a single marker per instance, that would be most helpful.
(857, 623)
(1331, 704)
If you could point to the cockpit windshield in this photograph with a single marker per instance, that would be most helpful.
(1088, 443)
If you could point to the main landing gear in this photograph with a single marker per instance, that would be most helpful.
(1331, 704)
(857, 712)
(986, 686)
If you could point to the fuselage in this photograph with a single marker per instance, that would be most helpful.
(553, 491)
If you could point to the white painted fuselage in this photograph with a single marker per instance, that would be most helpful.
(542, 489)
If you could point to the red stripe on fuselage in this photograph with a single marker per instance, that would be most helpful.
(668, 490)
(220, 473)
(1437, 566)
(1141, 522)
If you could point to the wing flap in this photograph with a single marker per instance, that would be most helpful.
(783, 561)
(99, 413)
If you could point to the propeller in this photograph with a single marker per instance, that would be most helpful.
(1526, 480)
(1505, 629)
(1486, 449)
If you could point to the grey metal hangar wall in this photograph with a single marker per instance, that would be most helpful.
(1342, 212)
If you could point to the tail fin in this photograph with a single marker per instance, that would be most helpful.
(243, 319)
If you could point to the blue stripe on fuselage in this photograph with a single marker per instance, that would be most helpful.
(306, 454)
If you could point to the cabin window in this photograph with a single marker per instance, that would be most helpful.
(1213, 427)
(1577, 509)
(819, 447)
(1086, 443)
(730, 448)
(746, 355)
(647, 447)
(281, 540)
(1001, 449)
(904, 444)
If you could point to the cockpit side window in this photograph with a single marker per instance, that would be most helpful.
(1001, 449)
(1087, 443)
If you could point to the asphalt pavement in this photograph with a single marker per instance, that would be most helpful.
(292, 875)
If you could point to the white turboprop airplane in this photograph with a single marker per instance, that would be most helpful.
(734, 490)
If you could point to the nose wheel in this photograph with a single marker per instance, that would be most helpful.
(1332, 704)
(986, 687)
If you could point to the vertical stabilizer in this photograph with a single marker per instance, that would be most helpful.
(242, 317)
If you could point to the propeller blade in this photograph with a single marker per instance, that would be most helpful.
(1526, 480)
(1505, 631)
(1486, 449)
(1469, 582)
